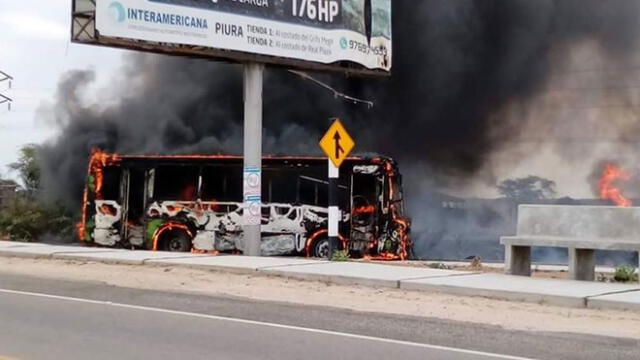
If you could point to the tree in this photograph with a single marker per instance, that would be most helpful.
(530, 188)
(28, 168)
(28, 217)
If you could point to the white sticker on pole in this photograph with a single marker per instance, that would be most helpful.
(252, 213)
(334, 220)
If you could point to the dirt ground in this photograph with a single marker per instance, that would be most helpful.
(509, 315)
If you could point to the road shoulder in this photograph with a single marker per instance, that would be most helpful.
(426, 304)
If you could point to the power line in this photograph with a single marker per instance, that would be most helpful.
(3, 98)
(335, 92)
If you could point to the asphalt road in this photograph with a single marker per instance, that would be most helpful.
(48, 319)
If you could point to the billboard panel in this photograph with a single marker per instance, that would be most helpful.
(317, 34)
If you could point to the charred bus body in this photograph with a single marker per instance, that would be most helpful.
(194, 203)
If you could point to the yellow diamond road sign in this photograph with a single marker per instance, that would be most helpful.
(337, 143)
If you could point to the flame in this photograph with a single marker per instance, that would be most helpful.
(99, 159)
(608, 190)
(217, 157)
(211, 205)
(189, 192)
(364, 209)
(402, 225)
(81, 228)
(386, 256)
(108, 210)
(208, 252)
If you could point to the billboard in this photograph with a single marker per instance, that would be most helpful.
(346, 35)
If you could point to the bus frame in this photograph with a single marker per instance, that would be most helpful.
(130, 201)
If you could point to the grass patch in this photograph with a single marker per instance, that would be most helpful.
(342, 255)
(626, 273)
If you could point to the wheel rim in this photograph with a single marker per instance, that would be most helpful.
(175, 244)
(322, 249)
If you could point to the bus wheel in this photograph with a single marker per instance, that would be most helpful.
(320, 248)
(177, 241)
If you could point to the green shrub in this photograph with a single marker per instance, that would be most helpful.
(342, 255)
(28, 220)
(626, 273)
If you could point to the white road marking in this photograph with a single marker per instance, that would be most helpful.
(266, 324)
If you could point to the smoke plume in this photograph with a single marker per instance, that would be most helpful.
(467, 99)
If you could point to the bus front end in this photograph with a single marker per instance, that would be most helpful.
(379, 228)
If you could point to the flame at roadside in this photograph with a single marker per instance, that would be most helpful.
(608, 188)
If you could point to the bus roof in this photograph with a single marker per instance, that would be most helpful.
(204, 158)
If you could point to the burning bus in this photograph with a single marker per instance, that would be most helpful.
(193, 203)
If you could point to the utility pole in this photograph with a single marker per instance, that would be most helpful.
(5, 99)
(252, 212)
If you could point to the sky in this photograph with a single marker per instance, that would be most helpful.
(35, 49)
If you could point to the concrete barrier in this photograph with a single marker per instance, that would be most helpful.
(580, 229)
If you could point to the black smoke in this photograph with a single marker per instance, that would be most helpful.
(456, 63)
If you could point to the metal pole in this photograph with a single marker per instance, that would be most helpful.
(334, 208)
(253, 78)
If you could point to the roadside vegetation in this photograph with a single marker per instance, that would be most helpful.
(29, 217)
(342, 255)
(625, 273)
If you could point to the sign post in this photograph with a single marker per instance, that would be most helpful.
(334, 209)
(337, 144)
(252, 212)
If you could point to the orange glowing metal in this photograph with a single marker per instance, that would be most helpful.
(169, 226)
(208, 252)
(608, 189)
(80, 228)
(386, 256)
(98, 161)
(364, 209)
(316, 234)
(108, 210)
(223, 157)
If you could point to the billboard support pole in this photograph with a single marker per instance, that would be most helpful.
(253, 81)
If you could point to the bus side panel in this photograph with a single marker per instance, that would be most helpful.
(104, 196)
